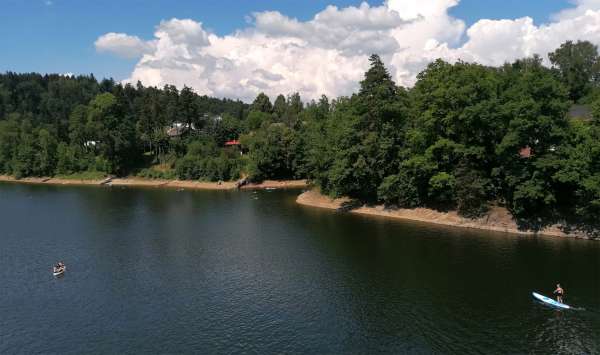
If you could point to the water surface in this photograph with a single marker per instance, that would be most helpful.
(213, 272)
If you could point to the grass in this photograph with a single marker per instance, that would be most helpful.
(85, 175)
(159, 171)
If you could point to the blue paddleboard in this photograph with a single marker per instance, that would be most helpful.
(550, 301)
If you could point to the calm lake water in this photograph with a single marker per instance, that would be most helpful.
(165, 271)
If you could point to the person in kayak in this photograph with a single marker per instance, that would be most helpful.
(559, 292)
(60, 266)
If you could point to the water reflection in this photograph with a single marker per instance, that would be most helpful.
(214, 272)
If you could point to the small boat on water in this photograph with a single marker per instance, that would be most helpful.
(59, 269)
(550, 301)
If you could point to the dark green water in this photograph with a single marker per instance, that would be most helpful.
(162, 271)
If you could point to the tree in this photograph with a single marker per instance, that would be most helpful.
(270, 153)
(256, 119)
(79, 130)
(578, 65)
(45, 157)
(534, 103)
(458, 102)
(280, 107)
(262, 104)
(455, 140)
(24, 156)
(471, 190)
(294, 107)
(188, 109)
(366, 131)
(9, 139)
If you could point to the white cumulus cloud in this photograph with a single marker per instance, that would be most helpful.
(122, 45)
(328, 54)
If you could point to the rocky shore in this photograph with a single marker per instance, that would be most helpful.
(497, 219)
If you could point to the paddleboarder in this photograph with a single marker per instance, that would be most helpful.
(559, 292)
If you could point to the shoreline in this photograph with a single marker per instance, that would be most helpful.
(498, 219)
(177, 184)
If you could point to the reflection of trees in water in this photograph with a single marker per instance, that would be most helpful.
(157, 223)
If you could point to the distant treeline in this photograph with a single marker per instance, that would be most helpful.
(466, 136)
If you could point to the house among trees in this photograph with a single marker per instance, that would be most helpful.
(91, 144)
(234, 143)
(178, 128)
(441, 143)
(526, 152)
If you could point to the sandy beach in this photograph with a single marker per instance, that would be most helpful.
(177, 184)
(497, 219)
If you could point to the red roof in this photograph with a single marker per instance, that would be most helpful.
(232, 142)
(526, 152)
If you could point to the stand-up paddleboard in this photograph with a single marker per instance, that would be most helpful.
(550, 301)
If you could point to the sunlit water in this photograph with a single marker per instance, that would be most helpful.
(165, 271)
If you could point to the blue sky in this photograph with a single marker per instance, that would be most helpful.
(58, 35)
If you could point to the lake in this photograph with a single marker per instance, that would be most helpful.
(213, 272)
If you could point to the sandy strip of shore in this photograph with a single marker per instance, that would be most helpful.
(179, 184)
(277, 184)
(498, 219)
(50, 181)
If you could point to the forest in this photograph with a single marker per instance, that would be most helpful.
(465, 136)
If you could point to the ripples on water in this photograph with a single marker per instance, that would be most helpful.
(216, 272)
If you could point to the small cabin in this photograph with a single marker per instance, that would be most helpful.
(234, 143)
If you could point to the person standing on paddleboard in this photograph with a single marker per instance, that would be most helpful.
(559, 292)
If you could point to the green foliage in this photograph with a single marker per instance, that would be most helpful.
(596, 112)
(256, 119)
(262, 103)
(271, 153)
(471, 191)
(362, 137)
(400, 190)
(454, 140)
(535, 106)
(9, 140)
(85, 175)
(280, 108)
(46, 155)
(578, 65)
(205, 161)
(70, 159)
(441, 188)
(588, 206)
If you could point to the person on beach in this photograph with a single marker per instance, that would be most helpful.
(559, 292)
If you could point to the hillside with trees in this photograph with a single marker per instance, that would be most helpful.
(464, 137)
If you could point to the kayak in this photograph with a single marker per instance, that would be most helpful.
(60, 271)
(550, 301)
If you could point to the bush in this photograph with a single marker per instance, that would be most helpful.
(471, 193)
(197, 165)
(151, 173)
(399, 190)
(441, 188)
